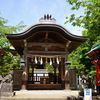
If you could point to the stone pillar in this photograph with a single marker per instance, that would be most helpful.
(67, 84)
(24, 78)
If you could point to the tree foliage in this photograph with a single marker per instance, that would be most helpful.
(8, 60)
(48, 67)
(90, 21)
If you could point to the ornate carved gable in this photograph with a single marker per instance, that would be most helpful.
(47, 37)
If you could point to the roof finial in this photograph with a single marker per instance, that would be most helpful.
(47, 18)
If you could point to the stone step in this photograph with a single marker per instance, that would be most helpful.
(47, 95)
(68, 98)
(65, 98)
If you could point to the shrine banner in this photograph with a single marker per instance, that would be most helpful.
(87, 94)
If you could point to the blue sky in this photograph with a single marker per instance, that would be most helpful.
(30, 11)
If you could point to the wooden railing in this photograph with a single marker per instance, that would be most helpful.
(36, 77)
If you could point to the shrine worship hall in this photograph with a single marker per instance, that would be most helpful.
(44, 43)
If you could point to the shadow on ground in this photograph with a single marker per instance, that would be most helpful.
(73, 98)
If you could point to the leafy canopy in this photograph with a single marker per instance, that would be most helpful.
(49, 68)
(90, 21)
(8, 60)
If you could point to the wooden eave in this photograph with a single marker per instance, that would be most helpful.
(63, 34)
(94, 50)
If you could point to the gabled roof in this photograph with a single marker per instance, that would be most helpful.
(94, 50)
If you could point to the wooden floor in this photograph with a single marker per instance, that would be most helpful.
(44, 86)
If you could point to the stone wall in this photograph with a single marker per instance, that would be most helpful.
(6, 89)
(72, 79)
(17, 77)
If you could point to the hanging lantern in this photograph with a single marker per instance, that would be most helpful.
(67, 64)
(22, 62)
(36, 60)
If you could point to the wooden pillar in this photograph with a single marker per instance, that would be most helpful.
(33, 66)
(25, 76)
(67, 83)
(63, 72)
(25, 69)
(55, 78)
(59, 75)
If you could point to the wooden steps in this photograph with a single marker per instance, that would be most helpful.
(44, 86)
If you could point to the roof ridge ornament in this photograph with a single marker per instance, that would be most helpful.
(47, 19)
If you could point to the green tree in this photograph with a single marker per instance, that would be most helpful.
(48, 67)
(8, 60)
(90, 21)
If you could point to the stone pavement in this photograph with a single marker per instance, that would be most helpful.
(43, 95)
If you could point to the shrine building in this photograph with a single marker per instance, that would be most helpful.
(41, 43)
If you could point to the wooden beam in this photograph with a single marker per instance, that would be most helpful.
(46, 44)
(43, 52)
(25, 43)
(44, 86)
(46, 56)
(67, 44)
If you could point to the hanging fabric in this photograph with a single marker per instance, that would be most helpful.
(50, 61)
(32, 59)
(36, 60)
(60, 59)
(53, 60)
(41, 61)
(46, 61)
(57, 60)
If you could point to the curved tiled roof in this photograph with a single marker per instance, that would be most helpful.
(49, 25)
